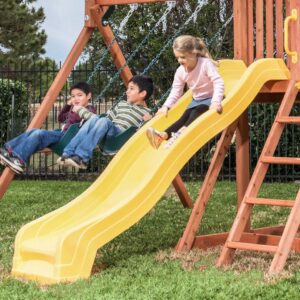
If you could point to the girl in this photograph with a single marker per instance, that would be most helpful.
(199, 72)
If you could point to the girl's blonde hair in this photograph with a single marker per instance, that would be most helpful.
(191, 44)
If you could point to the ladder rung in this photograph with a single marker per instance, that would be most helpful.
(252, 247)
(274, 202)
(288, 120)
(281, 160)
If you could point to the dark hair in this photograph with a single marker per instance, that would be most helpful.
(144, 83)
(83, 86)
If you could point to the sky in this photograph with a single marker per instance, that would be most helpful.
(63, 23)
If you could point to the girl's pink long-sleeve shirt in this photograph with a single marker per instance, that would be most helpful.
(204, 81)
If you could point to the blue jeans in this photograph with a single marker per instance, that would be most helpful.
(24, 145)
(194, 103)
(90, 134)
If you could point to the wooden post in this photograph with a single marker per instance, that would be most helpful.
(108, 36)
(182, 192)
(187, 240)
(59, 81)
(242, 141)
(122, 2)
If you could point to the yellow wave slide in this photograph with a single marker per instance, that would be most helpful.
(61, 246)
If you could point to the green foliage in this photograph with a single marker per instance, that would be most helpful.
(20, 36)
(39, 75)
(207, 25)
(10, 90)
(139, 264)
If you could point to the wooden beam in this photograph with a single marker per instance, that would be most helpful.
(258, 176)
(267, 239)
(288, 237)
(53, 92)
(250, 32)
(259, 28)
(205, 242)
(275, 86)
(124, 2)
(240, 30)
(182, 192)
(269, 28)
(241, 43)
(279, 28)
(108, 36)
(89, 21)
(60, 79)
(242, 156)
(192, 227)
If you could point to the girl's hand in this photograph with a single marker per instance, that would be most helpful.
(217, 106)
(163, 111)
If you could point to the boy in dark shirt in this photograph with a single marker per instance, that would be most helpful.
(128, 113)
(17, 151)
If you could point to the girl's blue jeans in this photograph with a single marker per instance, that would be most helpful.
(24, 145)
(90, 134)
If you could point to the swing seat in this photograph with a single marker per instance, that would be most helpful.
(109, 146)
(66, 139)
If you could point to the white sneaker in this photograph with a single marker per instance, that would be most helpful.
(171, 141)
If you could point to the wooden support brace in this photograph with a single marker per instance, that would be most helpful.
(182, 192)
(50, 98)
(287, 239)
(258, 176)
(188, 237)
(108, 36)
(124, 2)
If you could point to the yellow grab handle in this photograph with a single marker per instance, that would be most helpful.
(292, 17)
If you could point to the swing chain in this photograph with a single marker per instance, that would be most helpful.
(164, 96)
(176, 33)
(133, 8)
(133, 54)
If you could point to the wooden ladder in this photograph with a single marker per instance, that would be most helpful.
(284, 243)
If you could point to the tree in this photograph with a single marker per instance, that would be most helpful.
(14, 108)
(21, 38)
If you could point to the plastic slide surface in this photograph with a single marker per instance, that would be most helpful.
(61, 246)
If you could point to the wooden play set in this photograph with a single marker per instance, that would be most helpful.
(258, 33)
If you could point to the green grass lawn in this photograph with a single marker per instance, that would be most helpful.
(140, 264)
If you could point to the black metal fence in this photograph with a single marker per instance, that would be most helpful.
(36, 80)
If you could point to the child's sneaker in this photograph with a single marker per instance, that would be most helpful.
(156, 137)
(75, 161)
(173, 138)
(15, 164)
(4, 155)
(62, 160)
